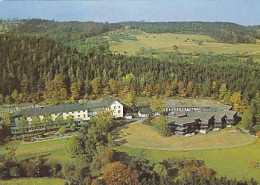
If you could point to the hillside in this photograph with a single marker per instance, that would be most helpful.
(62, 31)
(30, 63)
(221, 31)
(156, 44)
(74, 30)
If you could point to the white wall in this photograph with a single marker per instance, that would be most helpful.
(118, 109)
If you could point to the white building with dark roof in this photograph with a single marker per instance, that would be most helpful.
(79, 112)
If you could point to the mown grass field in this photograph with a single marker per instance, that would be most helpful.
(34, 181)
(143, 136)
(185, 43)
(54, 149)
(231, 162)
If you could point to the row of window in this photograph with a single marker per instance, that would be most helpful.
(118, 107)
(63, 113)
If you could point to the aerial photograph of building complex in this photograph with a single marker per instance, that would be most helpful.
(130, 92)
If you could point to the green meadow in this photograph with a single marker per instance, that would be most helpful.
(143, 136)
(231, 162)
(34, 181)
(185, 43)
(228, 152)
(53, 149)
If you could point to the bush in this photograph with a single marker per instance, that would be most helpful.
(55, 169)
(160, 124)
(62, 130)
(75, 146)
(258, 134)
(147, 121)
(73, 128)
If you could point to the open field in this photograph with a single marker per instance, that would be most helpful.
(177, 101)
(185, 43)
(55, 149)
(143, 136)
(34, 181)
(230, 162)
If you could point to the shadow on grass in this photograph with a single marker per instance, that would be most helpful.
(118, 135)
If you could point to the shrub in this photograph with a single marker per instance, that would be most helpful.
(258, 134)
(75, 146)
(160, 124)
(73, 128)
(62, 130)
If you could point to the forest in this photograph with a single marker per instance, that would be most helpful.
(59, 31)
(29, 64)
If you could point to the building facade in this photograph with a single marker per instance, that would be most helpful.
(78, 112)
(202, 122)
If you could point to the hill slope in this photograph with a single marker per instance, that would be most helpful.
(221, 31)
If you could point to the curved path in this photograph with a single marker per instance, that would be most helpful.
(206, 148)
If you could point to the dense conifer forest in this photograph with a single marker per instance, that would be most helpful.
(29, 63)
(60, 31)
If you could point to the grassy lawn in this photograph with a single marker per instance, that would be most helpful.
(235, 162)
(231, 162)
(34, 181)
(185, 43)
(143, 136)
(55, 149)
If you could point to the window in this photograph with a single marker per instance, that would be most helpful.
(119, 107)
(78, 111)
(119, 111)
(78, 116)
(114, 107)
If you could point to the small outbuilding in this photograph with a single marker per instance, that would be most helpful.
(129, 116)
(145, 112)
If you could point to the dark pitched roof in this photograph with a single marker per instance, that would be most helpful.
(146, 110)
(63, 108)
(182, 121)
(180, 114)
(49, 110)
(219, 115)
(205, 115)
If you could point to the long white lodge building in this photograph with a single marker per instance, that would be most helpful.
(79, 112)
